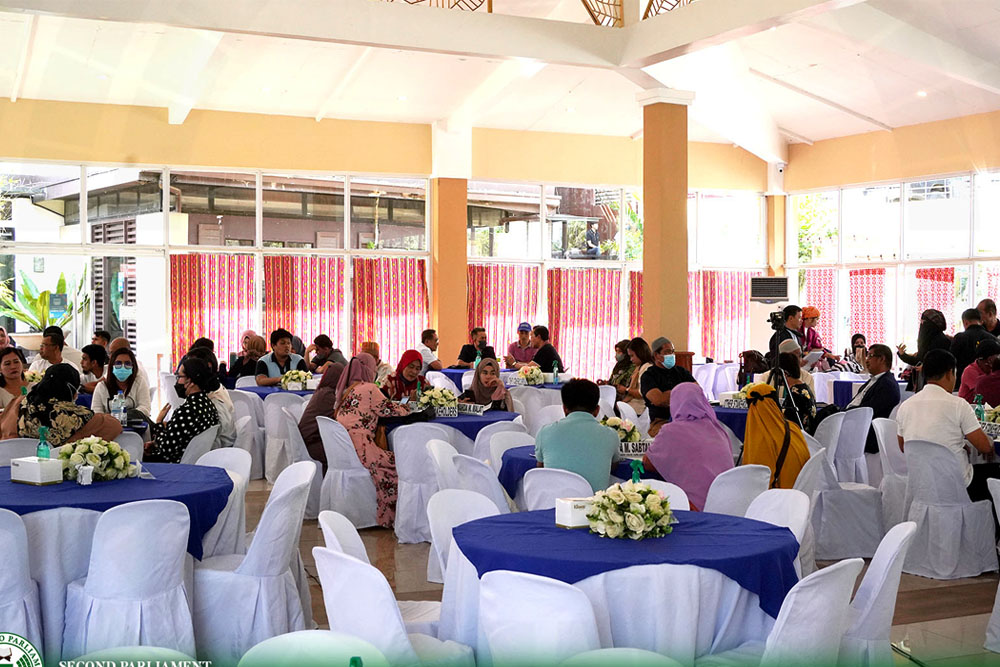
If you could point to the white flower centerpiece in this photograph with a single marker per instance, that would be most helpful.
(32, 377)
(991, 423)
(443, 401)
(531, 375)
(626, 430)
(109, 459)
(295, 380)
(630, 510)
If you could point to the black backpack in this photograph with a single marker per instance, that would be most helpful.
(751, 363)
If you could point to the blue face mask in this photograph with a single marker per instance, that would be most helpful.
(122, 373)
(669, 360)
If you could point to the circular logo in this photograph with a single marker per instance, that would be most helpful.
(17, 651)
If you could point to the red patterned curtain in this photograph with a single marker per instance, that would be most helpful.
(936, 289)
(390, 304)
(583, 318)
(304, 295)
(992, 287)
(501, 296)
(819, 289)
(719, 313)
(634, 304)
(695, 315)
(211, 296)
(867, 304)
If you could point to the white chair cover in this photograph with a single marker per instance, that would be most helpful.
(232, 459)
(417, 480)
(866, 642)
(133, 594)
(167, 382)
(467, 380)
(474, 475)
(347, 486)
(481, 447)
(312, 648)
(828, 434)
(131, 443)
(501, 442)
(619, 657)
(200, 445)
(360, 603)
(253, 402)
(441, 454)
(297, 450)
(543, 485)
(439, 380)
(894, 477)
(16, 448)
(247, 403)
(445, 510)
(527, 619)
(812, 443)
(519, 408)
(533, 401)
(227, 535)
(849, 459)
(340, 535)
(276, 451)
(674, 494)
(609, 396)
(246, 381)
(782, 507)
(20, 613)
(628, 412)
(734, 442)
(704, 375)
(955, 537)
(247, 439)
(808, 483)
(550, 414)
(240, 601)
(732, 491)
(847, 517)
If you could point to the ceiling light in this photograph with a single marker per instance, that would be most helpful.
(102, 77)
(570, 110)
(266, 89)
(529, 67)
(921, 93)
(401, 98)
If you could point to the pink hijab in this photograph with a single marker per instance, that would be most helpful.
(693, 448)
(361, 369)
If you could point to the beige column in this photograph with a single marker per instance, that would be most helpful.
(449, 265)
(775, 235)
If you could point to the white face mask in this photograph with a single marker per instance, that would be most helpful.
(669, 360)
(619, 357)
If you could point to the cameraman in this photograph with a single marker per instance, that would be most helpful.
(789, 330)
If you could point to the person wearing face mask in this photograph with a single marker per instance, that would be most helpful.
(195, 380)
(476, 345)
(403, 383)
(656, 383)
(624, 369)
(51, 403)
(123, 376)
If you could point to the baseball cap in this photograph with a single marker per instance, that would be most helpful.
(524, 326)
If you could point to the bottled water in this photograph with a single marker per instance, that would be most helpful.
(42, 451)
(555, 372)
(118, 407)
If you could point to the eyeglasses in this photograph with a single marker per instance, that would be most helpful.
(123, 364)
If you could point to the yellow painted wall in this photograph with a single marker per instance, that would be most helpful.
(957, 144)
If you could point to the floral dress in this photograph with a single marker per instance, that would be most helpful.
(64, 418)
(359, 413)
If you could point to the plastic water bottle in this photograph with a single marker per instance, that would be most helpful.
(420, 391)
(479, 357)
(555, 372)
(979, 408)
(118, 407)
(42, 451)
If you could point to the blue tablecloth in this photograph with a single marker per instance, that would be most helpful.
(734, 418)
(470, 425)
(203, 489)
(86, 400)
(264, 391)
(519, 460)
(843, 392)
(758, 556)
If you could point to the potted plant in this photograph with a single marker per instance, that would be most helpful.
(30, 306)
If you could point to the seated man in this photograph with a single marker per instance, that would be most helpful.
(546, 356)
(94, 358)
(791, 347)
(988, 386)
(326, 354)
(880, 393)
(70, 354)
(986, 354)
(281, 359)
(428, 351)
(520, 352)
(477, 343)
(934, 414)
(964, 344)
(50, 352)
(579, 443)
(656, 383)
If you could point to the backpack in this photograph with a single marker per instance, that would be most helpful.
(751, 363)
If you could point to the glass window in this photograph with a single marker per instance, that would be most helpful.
(633, 223)
(504, 220)
(872, 305)
(37, 202)
(871, 223)
(303, 211)
(28, 302)
(210, 208)
(945, 288)
(388, 213)
(813, 220)
(125, 205)
(987, 224)
(730, 230)
(936, 218)
(987, 281)
(583, 222)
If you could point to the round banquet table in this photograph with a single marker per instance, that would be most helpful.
(60, 520)
(456, 374)
(468, 427)
(264, 391)
(734, 418)
(713, 584)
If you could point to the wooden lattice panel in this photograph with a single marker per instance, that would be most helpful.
(660, 6)
(605, 12)
(467, 5)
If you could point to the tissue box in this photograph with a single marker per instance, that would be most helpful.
(294, 386)
(313, 385)
(572, 512)
(36, 471)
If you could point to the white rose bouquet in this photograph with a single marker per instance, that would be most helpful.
(432, 397)
(295, 377)
(993, 416)
(32, 377)
(110, 460)
(631, 510)
(627, 431)
(531, 374)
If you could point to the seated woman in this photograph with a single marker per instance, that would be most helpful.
(403, 383)
(123, 376)
(195, 380)
(642, 359)
(382, 369)
(51, 403)
(360, 405)
(254, 347)
(621, 373)
(771, 440)
(799, 397)
(12, 367)
(853, 360)
(321, 404)
(693, 448)
(487, 388)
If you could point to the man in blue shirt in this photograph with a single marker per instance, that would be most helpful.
(578, 442)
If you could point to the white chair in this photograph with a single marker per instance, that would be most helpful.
(276, 454)
(16, 448)
(619, 657)
(167, 382)
(704, 375)
(246, 381)
(734, 442)
(628, 412)
(518, 408)
(828, 434)
(347, 486)
(808, 483)
(849, 459)
(533, 401)
(674, 494)
(550, 414)
(340, 535)
(501, 442)
(134, 593)
(131, 443)
(543, 485)
(200, 445)
(360, 603)
(20, 613)
(732, 491)
(525, 618)
(812, 444)
(955, 537)
(467, 380)
(312, 648)
(847, 516)
(232, 459)
(810, 625)
(481, 447)
(249, 404)
(445, 510)
(609, 396)
(417, 480)
(240, 601)
(227, 536)
(441, 454)
(783, 507)
(474, 475)
(298, 453)
(894, 477)
(866, 641)
(725, 379)
(439, 380)
(247, 440)
(253, 402)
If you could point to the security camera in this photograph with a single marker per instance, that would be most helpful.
(781, 167)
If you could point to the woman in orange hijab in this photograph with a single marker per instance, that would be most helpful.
(771, 440)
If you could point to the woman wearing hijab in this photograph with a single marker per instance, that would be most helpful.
(245, 338)
(403, 383)
(487, 388)
(360, 404)
(693, 449)
(771, 440)
(322, 403)
(245, 365)
(930, 336)
(51, 403)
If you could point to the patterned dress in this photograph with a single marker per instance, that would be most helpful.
(64, 418)
(359, 413)
(196, 414)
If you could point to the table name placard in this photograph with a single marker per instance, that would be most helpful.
(471, 409)
(737, 403)
(992, 429)
(634, 450)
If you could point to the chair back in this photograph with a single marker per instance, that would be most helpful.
(619, 657)
(628, 412)
(812, 443)
(299, 451)
(131, 443)
(167, 382)
(277, 534)
(732, 491)
(200, 444)
(828, 433)
(501, 442)
(360, 603)
(467, 380)
(609, 395)
(439, 380)
(474, 475)
(934, 475)
(782, 507)
(849, 459)
(893, 459)
(550, 414)
(245, 438)
(231, 459)
(481, 447)
(274, 417)
(704, 375)
(337, 445)
(246, 381)
(875, 602)
(734, 442)
(523, 617)
(813, 617)
(312, 648)
(533, 401)
(340, 535)
(253, 403)
(543, 485)
(453, 507)
(413, 461)
(812, 476)
(441, 454)
(15, 577)
(16, 448)
(138, 550)
(674, 494)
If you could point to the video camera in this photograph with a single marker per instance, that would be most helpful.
(777, 320)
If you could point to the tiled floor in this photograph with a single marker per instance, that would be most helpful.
(939, 623)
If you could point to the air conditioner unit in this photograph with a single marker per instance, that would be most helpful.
(767, 295)
(768, 289)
